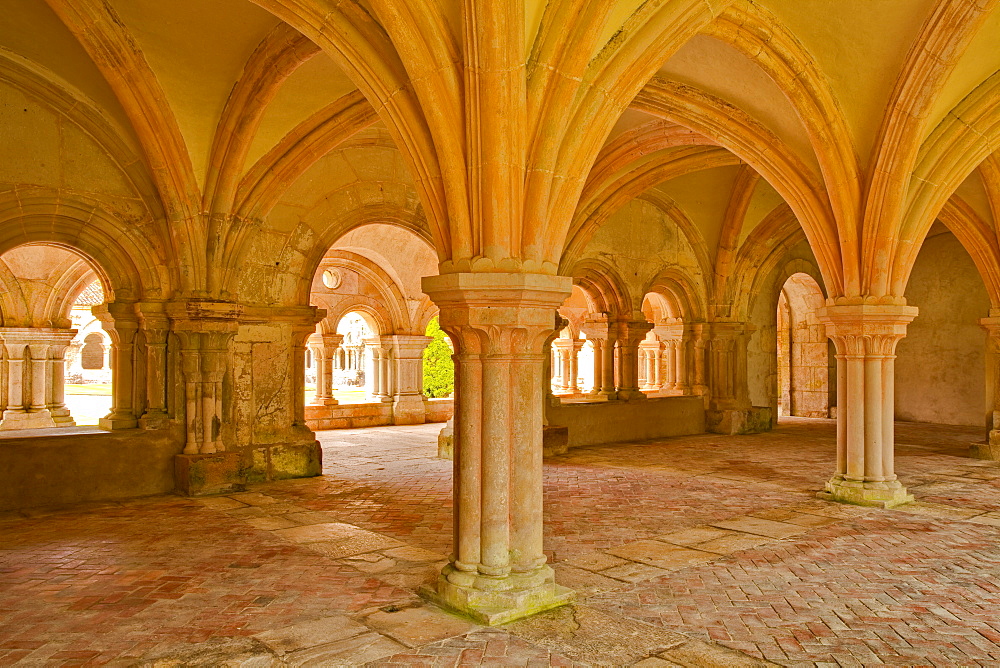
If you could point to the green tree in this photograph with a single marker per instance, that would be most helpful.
(439, 368)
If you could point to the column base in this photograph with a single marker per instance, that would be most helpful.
(630, 395)
(876, 494)
(217, 473)
(555, 440)
(753, 420)
(497, 600)
(409, 409)
(18, 420)
(113, 422)
(62, 417)
(990, 451)
(446, 442)
(152, 422)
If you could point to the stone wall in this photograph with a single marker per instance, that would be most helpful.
(375, 414)
(612, 421)
(940, 365)
(86, 464)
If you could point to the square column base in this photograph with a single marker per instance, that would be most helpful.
(990, 451)
(446, 442)
(555, 440)
(216, 473)
(875, 494)
(113, 423)
(497, 600)
(36, 420)
(630, 395)
(409, 409)
(754, 420)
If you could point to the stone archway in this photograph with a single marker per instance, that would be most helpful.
(803, 350)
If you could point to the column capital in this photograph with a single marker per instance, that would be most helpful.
(990, 324)
(332, 340)
(866, 329)
(498, 314)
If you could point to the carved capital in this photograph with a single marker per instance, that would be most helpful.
(498, 315)
(866, 330)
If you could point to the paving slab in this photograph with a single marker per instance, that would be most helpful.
(761, 527)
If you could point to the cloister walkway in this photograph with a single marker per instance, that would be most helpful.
(682, 551)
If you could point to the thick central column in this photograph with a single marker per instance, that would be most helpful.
(499, 324)
(866, 336)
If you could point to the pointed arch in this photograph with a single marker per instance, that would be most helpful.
(958, 145)
(104, 36)
(355, 40)
(931, 59)
(735, 218)
(979, 241)
(604, 199)
(766, 153)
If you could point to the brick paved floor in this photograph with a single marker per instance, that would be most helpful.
(682, 551)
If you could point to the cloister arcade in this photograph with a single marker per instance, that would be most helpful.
(633, 220)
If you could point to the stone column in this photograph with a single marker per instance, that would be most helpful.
(699, 341)
(866, 336)
(154, 324)
(682, 382)
(407, 363)
(55, 378)
(603, 332)
(119, 320)
(729, 409)
(499, 324)
(34, 395)
(650, 353)
(382, 380)
(630, 334)
(205, 330)
(376, 351)
(331, 353)
(564, 355)
(598, 345)
(574, 370)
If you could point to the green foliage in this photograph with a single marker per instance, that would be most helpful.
(439, 368)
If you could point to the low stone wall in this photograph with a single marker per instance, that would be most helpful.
(613, 421)
(376, 414)
(79, 464)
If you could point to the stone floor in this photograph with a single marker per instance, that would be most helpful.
(696, 551)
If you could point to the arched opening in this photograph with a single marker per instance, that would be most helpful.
(804, 359)
(356, 380)
(56, 369)
(665, 354)
(438, 366)
(369, 347)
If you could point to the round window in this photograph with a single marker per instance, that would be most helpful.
(331, 278)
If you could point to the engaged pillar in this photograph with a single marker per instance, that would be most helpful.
(119, 320)
(630, 334)
(866, 336)
(499, 324)
(729, 410)
(408, 377)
